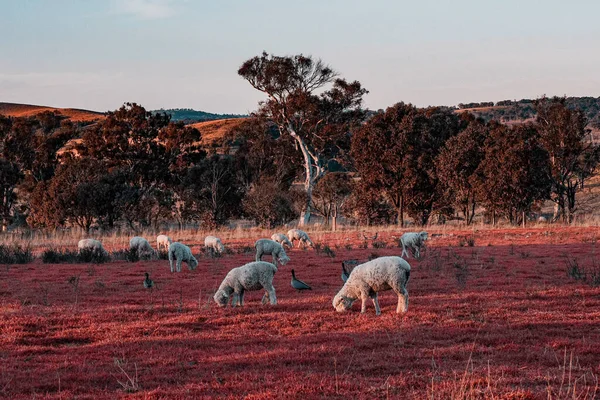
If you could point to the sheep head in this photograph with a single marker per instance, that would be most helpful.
(221, 298)
(342, 302)
(220, 247)
(283, 258)
(423, 235)
(193, 263)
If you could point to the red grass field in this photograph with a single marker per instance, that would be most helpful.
(491, 321)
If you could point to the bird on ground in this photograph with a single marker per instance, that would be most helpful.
(345, 273)
(148, 283)
(298, 284)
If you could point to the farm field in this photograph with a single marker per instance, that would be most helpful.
(504, 318)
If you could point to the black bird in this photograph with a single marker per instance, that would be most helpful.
(148, 283)
(345, 273)
(298, 284)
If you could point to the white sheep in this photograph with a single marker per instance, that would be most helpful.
(300, 236)
(181, 252)
(414, 241)
(281, 239)
(141, 246)
(91, 245)
(252, 276)
(214, 244)
(267, 246)
(163, 241)
(366, 280)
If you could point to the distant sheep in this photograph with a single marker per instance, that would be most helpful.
(281, 239)
(181, 252)
(300, 236)
(414, 241)
(252, 276)
(266, 246)
(91, 245)
(214, 243)
(366, 280)
(141, 246)
(163, 241)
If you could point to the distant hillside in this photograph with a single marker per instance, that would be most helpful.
(517, 111)
(213, 131)
(189, 115)
(28, 110)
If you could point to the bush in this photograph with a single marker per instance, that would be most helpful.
(130, 255)
(379, 244)
(59, 256)
(92, 256)
(162, 255)
(15, 254)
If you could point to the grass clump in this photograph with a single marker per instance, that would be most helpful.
(15, 254)
(59, 256)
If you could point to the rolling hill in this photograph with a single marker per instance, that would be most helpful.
(28, 110)
(213, 131)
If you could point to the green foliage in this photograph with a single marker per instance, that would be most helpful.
(188, 115)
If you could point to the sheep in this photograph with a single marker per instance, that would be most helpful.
(92, 245)
(141, 246)
(414, 240)
(300, 236)
(214, 244)
(181, 252)
(380, 274)
(252, 276)
(282, 239)
(163, 241)
(267, 246)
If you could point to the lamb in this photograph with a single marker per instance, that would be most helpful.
(266, 246)
(92, 245)
(252, 276)
(366, 280)
(141, 246)
(163, 241)
(281, 239)
(181, 252)
(214, 244)
(414, 241)
(300, 236)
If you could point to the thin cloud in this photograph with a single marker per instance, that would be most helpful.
(146, 9)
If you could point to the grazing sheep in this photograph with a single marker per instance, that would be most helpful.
(281, 239)
(300, 236)
(141, 246)
(91, 245)
(181, 252)
(267, 246)
(163, 241)
(414, 241)
(252, 276)
(214, 244)
(383, 273)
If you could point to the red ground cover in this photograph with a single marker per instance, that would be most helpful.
(501, 319)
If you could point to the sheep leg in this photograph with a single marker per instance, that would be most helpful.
(363, 308)
(178, 266)
(241, 301)
(404, 252)
(234, 299)
(375, 299)
(259, 255)
(171, 262)
(271, 293)
(265, 298)
(402, 300)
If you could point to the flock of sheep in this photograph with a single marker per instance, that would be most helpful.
(362, 283)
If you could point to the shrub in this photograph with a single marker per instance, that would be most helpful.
(348, 246)
(130, 255)
(328, 252)
(92, 256)
(246, 249)
(15, 254)
(162, 255)
(379, 244)
(373, 256)
(59, 256)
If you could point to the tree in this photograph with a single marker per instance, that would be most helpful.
(514, 173)
(267, 204)
(456, 166)
(330, 194)
(395, 152)
(573, 158)
(319, 123)
(10, 176)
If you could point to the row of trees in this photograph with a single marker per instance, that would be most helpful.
(309, 149)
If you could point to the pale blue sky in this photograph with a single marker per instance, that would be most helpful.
(98, 54)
